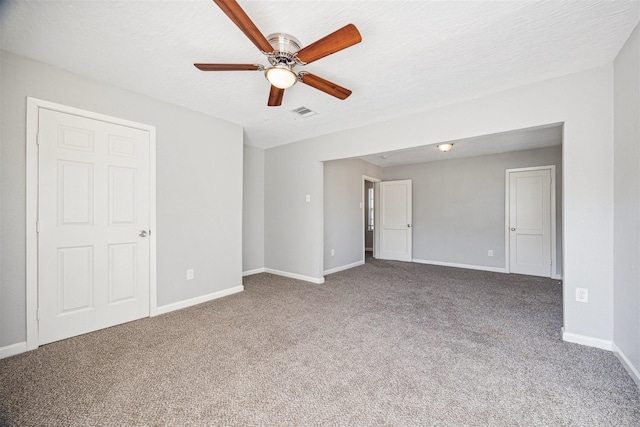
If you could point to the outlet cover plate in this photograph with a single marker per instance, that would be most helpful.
(582, 295)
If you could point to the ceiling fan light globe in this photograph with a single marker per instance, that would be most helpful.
(281, 77)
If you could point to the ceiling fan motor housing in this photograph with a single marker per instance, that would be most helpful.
(285, 46)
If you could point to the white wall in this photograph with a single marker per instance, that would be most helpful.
(582, 101)
(626, 271)
(253, 210)
(199, 185)
(343, 215)
(459, 205)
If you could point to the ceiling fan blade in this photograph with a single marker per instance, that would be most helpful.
(228, 67)
(275, 97)
(233, 10)
(334, 42)
(325, 85)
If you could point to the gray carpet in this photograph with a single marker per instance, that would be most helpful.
(387, 343)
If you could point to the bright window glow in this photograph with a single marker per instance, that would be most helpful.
(370, 219)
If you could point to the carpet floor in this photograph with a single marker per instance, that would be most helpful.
(386, 343)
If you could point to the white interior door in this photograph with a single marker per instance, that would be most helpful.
(93, 222)
(395, 220)
(530, 222)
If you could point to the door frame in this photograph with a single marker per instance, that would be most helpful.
(366, 178)
(507, 203)
(32, 195)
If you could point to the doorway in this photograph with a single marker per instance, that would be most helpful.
(370, 217)
(91, 187)
(396, 219)
(530, 216)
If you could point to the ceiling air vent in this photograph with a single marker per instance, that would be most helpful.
(304, 112)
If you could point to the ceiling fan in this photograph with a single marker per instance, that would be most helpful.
(284, 52)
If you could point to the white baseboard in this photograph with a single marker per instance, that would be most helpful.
(467, 266)
(632, 370)
(588, 341)
(343, 267)
(254, 271)
(13, 349)
(315, 280)
(198, 300)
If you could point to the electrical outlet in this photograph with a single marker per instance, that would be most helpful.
(333, 252)
(490, 252)
(190, 274)
(582, 295)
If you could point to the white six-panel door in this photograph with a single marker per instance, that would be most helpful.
(530, 222)
(93, 223)
(395, 220)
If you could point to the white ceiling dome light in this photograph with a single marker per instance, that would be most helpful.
(281, 76)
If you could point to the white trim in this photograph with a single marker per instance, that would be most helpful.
(254, 271)
(344, 267)
(588, 341)
(507, 193)
(457, 265)
(32, 217)
(32, 169)
(315, 280)
(13, 349)
(626, 363)
(199, 300)
(153, 229)
(39, 103)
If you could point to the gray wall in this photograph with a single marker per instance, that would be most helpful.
(582, 101)
(343, 215)
(253, 209)
(291, 223)
(626, 272)
(459, 205)
(199, 185)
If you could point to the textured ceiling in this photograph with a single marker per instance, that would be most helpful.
(414, 55)
(523, 139)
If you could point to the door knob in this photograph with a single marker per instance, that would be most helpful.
(143, 233)
(513, 229)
